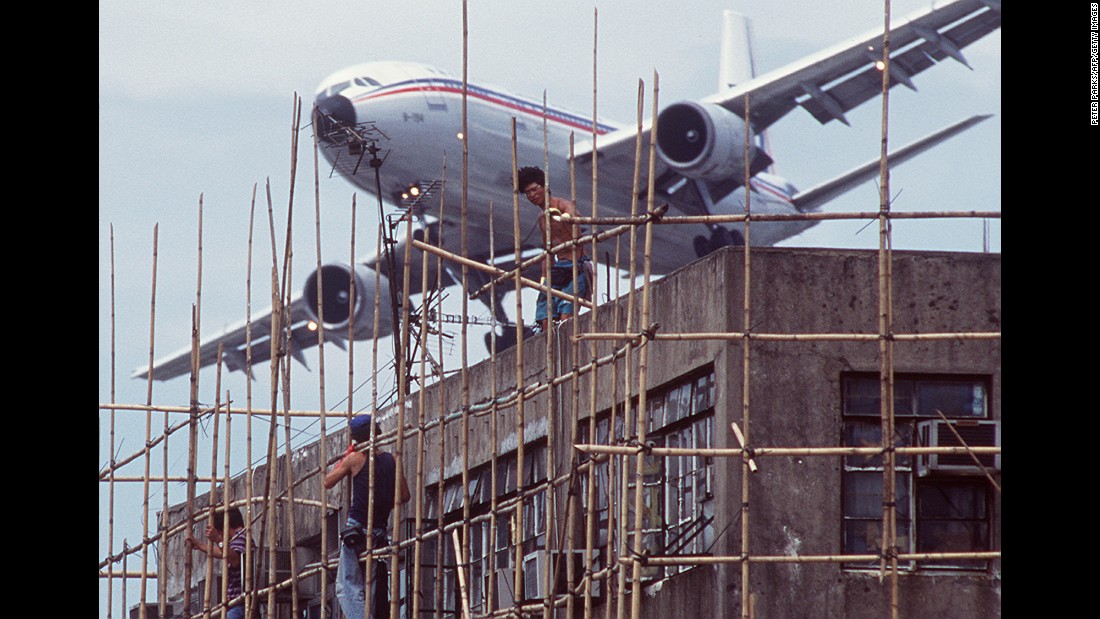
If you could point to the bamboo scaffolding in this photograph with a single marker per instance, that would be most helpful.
(466, 262)
(627, 361)
(793, 337)
(759, 217)
(628, 224)
(757, 452)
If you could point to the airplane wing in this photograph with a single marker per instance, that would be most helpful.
(826, 84)
(839, 78)
(235, 341)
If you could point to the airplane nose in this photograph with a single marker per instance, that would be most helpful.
(333, 113)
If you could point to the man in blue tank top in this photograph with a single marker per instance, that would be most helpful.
(370, 507)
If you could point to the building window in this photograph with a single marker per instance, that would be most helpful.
(491, 556)
(677, 498)
(938, 509)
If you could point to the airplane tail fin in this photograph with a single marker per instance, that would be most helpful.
(736, 64)
(813, 198)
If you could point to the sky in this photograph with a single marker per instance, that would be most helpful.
(196, 105)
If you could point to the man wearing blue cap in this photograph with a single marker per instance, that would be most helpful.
(378, 501)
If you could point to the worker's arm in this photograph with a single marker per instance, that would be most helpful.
(211, 546)
(346, 466)
(403, 494)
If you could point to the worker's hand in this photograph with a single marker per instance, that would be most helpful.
(190, 542)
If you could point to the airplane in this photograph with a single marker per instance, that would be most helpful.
(386, 127)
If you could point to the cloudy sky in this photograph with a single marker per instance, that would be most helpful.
(196, 103)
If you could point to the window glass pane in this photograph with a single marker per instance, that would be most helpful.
(656, 410)
(951, 501)
(703, 386)
(863, 494)
(952, 398)
(452, 497)
(865, 537)
(904, 397)
(671, 401)
(868, 434)
(861, 396)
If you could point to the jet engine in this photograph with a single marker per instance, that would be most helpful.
(340, 305)
(703, 141)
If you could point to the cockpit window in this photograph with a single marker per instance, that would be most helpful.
(367, 81)
(337, 88)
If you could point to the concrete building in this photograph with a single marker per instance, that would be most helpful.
(799, 536)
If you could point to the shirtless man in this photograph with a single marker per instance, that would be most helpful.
(532, 182)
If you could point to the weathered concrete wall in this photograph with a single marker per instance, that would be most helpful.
(794, 503)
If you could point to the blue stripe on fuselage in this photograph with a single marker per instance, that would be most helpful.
(489, 96)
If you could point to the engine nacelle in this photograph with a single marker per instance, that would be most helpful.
(703, 141)
(340, 306)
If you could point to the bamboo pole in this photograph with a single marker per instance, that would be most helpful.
(193, 426)
(248, 572)
(148, 421)
(873, 215)
(590, 478)
(286, 365)
(620, 597)
(402, 398)
(746, 469)
(494, 435)
(970, 452)
(466, 262)
(111, 459)
(627, 225)
(276, 348)
(886, 326)
(440, 487)
(757, 452)
(463, 328)
(211, 501)
(418, 512)
(517, 532)
(225, 503)
(372, 437)
(323, 446)
(643, 371)
(836, 558)
(793, 337)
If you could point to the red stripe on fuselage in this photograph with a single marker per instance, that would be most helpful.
(491, 100)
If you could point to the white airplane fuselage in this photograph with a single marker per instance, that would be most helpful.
(419, 110)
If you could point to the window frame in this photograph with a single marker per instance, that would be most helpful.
(859, 426)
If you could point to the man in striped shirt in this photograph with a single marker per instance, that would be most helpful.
(233, 552)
